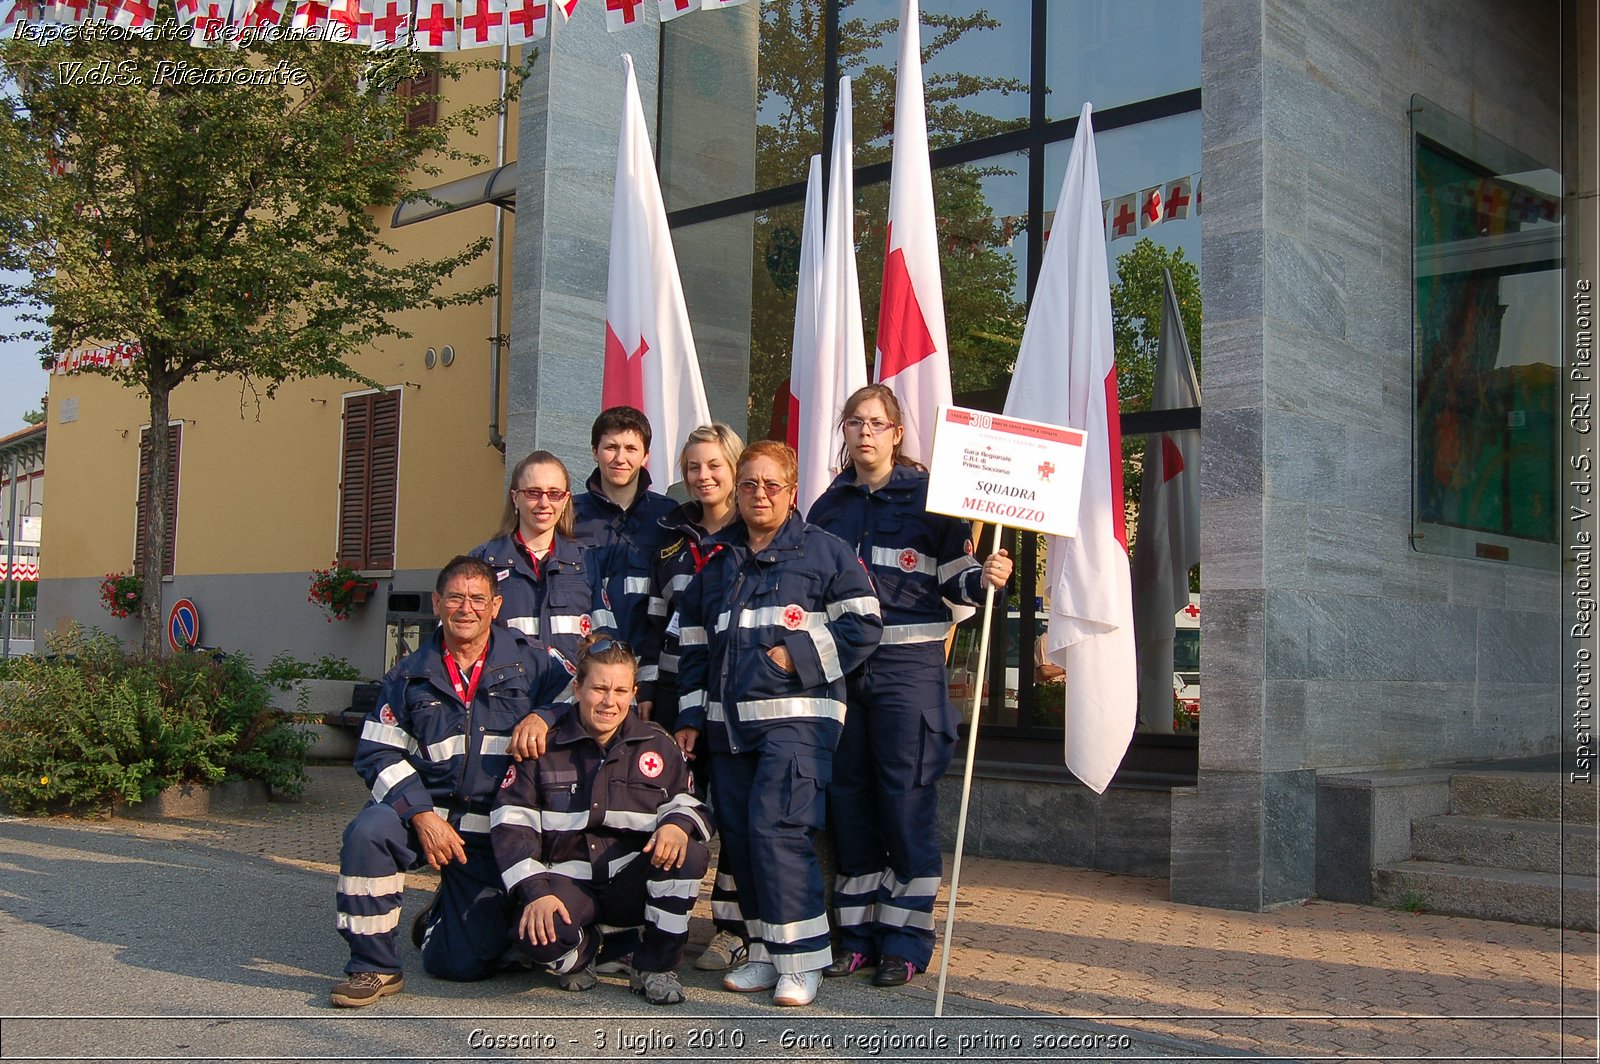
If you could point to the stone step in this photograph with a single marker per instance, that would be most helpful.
(1522, 796)
(1501, 842)
(1488, 893)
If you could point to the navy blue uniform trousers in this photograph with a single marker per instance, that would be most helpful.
(883, 803)
(469, 928)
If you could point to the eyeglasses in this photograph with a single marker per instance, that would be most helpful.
(771, 487)
(600, 646)
(876, 427)
(456, 600)
(555, 495)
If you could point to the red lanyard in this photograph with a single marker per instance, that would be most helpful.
(701, 559)
(466, 691)
(533, 559)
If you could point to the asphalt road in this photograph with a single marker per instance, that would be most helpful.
(120, 948)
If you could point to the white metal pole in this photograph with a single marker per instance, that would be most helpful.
(966, 780)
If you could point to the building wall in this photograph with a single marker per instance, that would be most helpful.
(259, 476)
(1329, 643)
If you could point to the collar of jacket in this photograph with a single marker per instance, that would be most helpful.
(569, 729)
(597, 491)
(903, 480)
(790, 538)
(565, 556)
(427, 661)
(685, 520)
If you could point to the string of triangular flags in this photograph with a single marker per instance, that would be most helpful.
(421, 25)
(21, 569)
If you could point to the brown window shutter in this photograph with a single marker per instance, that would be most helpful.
(170, 560)
(368, 489)
(425, 112)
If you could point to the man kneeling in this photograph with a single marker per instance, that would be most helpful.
(604, 829)
(434, 753)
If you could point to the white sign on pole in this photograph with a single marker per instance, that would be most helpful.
(1004, 470)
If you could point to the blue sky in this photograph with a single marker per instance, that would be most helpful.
(22, 381)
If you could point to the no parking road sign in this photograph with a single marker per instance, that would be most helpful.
(183, 625)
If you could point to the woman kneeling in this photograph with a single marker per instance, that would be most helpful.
(603, 830)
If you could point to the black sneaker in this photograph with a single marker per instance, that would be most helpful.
(365, 988)
(894, 971)
(847, 964)
(419, 926)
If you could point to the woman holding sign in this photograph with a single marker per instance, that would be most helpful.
(900, 729)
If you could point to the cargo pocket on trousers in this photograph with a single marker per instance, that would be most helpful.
(940, 732)
(805, 800)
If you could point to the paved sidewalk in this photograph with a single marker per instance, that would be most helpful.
(1315, 980)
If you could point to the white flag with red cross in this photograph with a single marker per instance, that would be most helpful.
(1150, 207)
(1066, 375)
(1124, 219)
(671, 9)
(391, 23)
(483, 23)
(567, 8)
(211, 18)
(1169, 520)
(309, 14)
(812, 395)
(137, 15)
(435, 27)
(258, 14)
(650, 358)
(913, 353)
(623, 14)
(526, 20)
(1176, 199)
(16, 11)
(351, 21)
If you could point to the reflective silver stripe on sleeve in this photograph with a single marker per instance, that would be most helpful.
(722, 622)
(714, 712)
(474, 823)
(794, 932)
(514, 816)
(673, 888)
(854, 915)
(525, 625)
(726, 910)
(369, 925)
(669, 663)
(603, 619)
(390, 777)
(827, 653)
(866, 605)
(636, 585)
(495, 744)
(692, 636)
(523, 869)
(933, 632)
(578, 870)
(773, 617)
(445, 749)
(574, 625)
(781, 708)
(388, 735)
(679, 582)
(957, 567)
(649, 673)
(889, 558)
(624, 820)
(689, 806)
(657, 607)
(550, 820)
(371, 886)
(691, 699)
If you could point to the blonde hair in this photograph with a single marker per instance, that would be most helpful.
(510, 519)
(718, 433)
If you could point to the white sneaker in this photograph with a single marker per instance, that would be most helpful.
(750, 977)
(797, 988)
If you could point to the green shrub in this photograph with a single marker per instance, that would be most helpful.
(91, 724)
(285, 668)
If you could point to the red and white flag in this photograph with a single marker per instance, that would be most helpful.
(1124, 216)
(391, 23)
(650, 358)
(913, 353)
(256, 14)
(1150, 207)
(350, 21)
(526, 20)
(483, 23)
(671, 9)
(1066, 375)
(567, 8)
(309, 14)
(1169, 521)
(812, 387)
(624, 15)
(207, 24)
(435, 26)
(16, 11)
(1176, 199)
(840, 364)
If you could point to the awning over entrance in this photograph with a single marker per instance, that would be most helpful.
(497, 186)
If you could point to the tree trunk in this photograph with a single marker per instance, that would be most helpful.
(153, 534)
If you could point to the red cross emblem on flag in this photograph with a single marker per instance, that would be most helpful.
(651, 764)
(386, 715)
(1191, 610)
(584, 624)
(511, 777)
(793, 617)
(1045, 469)
(908, 560)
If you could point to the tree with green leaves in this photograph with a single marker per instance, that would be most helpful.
(224, 230)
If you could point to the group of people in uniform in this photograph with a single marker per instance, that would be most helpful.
(616, 676)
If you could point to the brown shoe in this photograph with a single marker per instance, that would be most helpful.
(365, 988)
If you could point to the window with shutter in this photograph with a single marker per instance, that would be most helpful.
(169, 561)
(425, 112)
(369, 480)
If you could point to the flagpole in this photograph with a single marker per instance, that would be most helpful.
(966, 780)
